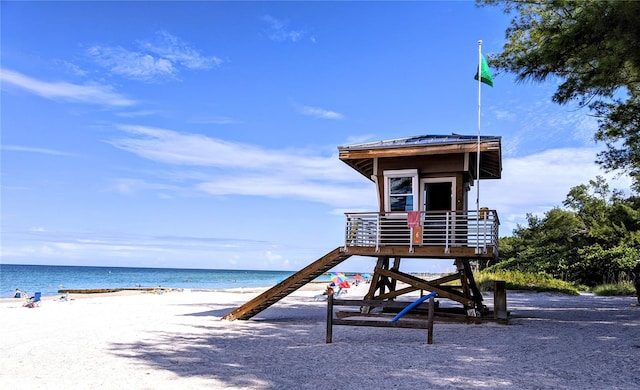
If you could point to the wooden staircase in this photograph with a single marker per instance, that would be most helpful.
(289, 285)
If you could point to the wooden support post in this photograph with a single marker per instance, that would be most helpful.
(500, 300)
(329, 338)
(430, 321)
(477, 295)
(378, 282)
(396, 267)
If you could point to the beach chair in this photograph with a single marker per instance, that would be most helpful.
(336, 294)
(34, 300)
(320, 297)
(340, 291)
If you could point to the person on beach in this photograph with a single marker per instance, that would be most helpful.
(329, 290)
(18, 294)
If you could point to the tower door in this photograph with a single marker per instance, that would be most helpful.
(437, 200)
(438, 194)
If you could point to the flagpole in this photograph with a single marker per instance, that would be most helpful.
(478, 151)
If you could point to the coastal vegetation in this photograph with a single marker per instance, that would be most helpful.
(618, 289)
(527, 281)
(540, 282)
(593, 242)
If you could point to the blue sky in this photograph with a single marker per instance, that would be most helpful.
(205, 134)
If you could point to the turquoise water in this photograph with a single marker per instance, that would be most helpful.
(48, 279)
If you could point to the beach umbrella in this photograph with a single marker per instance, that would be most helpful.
(357, 277)
(345, 284)
(367, 276)
(338, 277)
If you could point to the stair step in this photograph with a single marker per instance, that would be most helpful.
(311, 272)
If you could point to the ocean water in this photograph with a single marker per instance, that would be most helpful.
(48, 279)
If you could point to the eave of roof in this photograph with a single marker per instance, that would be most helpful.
(360, 156)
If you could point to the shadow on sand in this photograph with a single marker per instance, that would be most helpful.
(553, 341)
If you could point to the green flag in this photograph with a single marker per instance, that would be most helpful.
(486, 73)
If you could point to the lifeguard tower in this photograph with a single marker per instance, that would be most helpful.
(423, 185)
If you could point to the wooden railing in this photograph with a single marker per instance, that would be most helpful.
(446, 229)
(353, 318)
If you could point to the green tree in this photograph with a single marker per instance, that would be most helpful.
(602, 266)
(548, 245)
(596, 239)
(593, 48)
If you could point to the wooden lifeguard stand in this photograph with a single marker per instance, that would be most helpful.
(423, 185)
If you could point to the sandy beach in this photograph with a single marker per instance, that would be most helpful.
(176, 340)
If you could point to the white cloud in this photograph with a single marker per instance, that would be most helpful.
(27, 149)
(137, 114)
(175, 50)
(73, 68)
(504, 114)
(162, 58)
(277, 30)
(247, 169)
(92, 94)
(133, 186)
(173, 147)
(118, 248)
(539, 124)
(585, 128)
(135, 65)
(319, 113)
(274, 259)
(294, 187)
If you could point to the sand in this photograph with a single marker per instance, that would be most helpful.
(176, 340)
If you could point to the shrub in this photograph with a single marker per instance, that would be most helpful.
(516, 280)
(617, 289)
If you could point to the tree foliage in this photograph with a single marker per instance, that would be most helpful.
(595, 239)
(593, 48)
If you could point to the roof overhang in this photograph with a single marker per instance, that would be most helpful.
(361, 156)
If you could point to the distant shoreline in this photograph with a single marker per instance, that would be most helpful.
(101, 292)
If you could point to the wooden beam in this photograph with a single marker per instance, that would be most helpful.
(424, 252)
(425, 285)
(396, 293)
(445, 279)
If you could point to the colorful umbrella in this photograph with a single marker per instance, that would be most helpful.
(338, 277)
(345, 284)
(357, 277)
